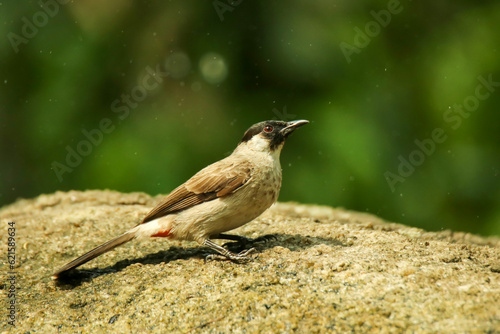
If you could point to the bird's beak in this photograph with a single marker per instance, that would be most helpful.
(291, 126)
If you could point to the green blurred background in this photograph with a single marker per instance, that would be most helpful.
(172, 86)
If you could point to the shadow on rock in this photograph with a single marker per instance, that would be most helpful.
(296, 242)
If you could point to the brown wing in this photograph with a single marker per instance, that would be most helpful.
(217, 180)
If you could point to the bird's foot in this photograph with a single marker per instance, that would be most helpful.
(226, 254)
(241, 257)
(244, 242)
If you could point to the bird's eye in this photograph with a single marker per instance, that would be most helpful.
(268, 128)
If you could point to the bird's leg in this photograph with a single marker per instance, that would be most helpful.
(244, 242)
(240, 257)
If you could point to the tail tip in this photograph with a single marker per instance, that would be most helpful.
(56, 275)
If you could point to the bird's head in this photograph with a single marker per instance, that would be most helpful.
(269, 135)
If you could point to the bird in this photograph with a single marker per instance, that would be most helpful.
(221, 197)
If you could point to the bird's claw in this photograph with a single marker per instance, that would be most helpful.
(240, 257)
(243, 255)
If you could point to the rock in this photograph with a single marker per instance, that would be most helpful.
(328, 270)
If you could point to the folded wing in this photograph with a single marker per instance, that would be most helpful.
(214, 181)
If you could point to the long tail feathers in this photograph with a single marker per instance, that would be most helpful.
(95, 253)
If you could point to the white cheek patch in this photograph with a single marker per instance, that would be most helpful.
(258, 143)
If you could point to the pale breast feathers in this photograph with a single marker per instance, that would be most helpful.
(214, 181)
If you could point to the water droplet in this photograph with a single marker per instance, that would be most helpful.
(213, 68)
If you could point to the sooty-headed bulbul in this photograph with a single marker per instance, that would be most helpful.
(219, 198)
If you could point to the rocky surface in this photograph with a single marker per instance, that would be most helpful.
(329, 270)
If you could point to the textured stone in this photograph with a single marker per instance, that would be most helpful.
(329, 270)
